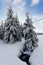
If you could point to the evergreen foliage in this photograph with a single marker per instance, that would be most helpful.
(12, 27)
(1, 30)
(29, 35)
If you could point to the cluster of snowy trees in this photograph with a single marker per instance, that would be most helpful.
(13, 32)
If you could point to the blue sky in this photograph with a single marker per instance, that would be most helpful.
(34, 7)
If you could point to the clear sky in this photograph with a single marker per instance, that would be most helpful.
(34, 7)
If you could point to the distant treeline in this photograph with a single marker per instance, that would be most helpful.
(39, 33)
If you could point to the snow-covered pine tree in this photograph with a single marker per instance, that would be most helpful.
(29, 35)
(30, 40)
(8, 22)
(12, 27)
(1, 30)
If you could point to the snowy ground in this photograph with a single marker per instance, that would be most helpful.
(9, 53)
(37, 55)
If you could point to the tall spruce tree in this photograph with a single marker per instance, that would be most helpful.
(8, 23)
(29, 35)
(30, 40)
(11, 28)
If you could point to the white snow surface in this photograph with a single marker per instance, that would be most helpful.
(37, 56)
(9, 53)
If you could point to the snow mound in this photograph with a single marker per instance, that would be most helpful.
(9, 53)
